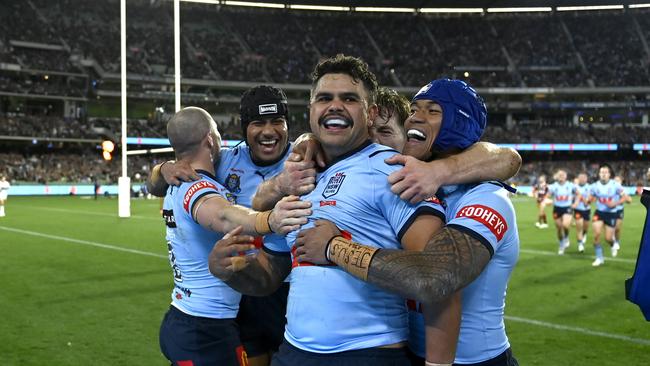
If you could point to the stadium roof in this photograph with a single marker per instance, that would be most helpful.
(457, 3)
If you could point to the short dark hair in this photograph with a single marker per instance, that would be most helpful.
(390, 102)
(611, 171)
(355, 67)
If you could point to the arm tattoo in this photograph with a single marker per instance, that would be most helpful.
(256, 280)
(450, 260)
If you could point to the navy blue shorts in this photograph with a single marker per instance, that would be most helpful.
(504, 359)
(582, 214)
(609, 218)
(188, 340)
(559, 211)
(621, 214)
(289, 355)
(261, 321)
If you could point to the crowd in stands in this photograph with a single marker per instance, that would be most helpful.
(281, 46)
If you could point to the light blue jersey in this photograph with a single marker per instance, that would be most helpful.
(485, 212)
(328, 309)
(584, 191)
(563, 194)
(241, 176)
(605, 193)
(196, 291)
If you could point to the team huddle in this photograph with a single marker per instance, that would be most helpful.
(573, 201)
(383, 237)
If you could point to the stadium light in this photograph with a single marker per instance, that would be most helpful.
(319, 7)
(520, 10)
(384, 10)
(451, 10)
(253, 4)
(638, 6)
(591, 7)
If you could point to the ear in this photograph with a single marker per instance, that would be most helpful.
(373, 112)
(209, 140)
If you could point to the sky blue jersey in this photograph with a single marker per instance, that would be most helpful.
(584, 191)
(328, 309)
(605, 193)
(563, 194)
(196, 291)
(484, 212)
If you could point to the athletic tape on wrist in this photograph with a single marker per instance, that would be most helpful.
(427, 363)
(262, 226)
(354, 258)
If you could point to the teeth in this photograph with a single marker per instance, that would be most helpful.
(336, 122)
(413, 133)
(268, 142)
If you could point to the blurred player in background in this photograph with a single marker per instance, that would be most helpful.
(608, 196)
(565, 199)
(540, 192)
(620, 214)
(388, 127)
(4, 192)
(582, 212)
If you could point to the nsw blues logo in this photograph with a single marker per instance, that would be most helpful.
(333, 185)
(232, 183)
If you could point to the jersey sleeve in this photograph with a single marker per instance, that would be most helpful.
(486, 214)
(399, 213)
(193, 191)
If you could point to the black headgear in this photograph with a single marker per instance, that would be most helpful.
(262, 102)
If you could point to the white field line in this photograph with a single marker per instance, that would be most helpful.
(546, 252)
(79, 212)
(83, 242)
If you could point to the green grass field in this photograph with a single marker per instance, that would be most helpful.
(81, 286)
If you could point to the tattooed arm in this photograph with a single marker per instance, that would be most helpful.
(257, 275)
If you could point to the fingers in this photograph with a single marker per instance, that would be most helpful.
(236, 231)
(238, 263)
(396, 176)
(309, 152)
(396, 159)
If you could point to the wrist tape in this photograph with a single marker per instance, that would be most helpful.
(262, 226)
(353, 257)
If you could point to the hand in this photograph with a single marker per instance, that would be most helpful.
(418, 180)
(289, 214)
(224, 260)
(612, 204)
(178, 172)
(298, 176)
(310, 149)
(311, 243)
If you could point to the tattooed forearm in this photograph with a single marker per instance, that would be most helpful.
(450, 261)
(261, 280)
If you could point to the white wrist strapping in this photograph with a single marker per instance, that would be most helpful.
(427, 363)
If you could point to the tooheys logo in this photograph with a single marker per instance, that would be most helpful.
(268, 108)
(193, 189)
(486, 216)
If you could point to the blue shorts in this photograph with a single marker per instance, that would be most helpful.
(582, 214)
(560, 211)
(504, 359)
(288, 355)
(609, 218)
(195, 341)
(621, 213)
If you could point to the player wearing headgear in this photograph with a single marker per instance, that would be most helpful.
(582, 212)
(565, 199)
(200, 328)
(478, 247)
(540, 192)
(264, 114)
(608, 195)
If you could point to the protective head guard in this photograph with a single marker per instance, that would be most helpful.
(262, 102)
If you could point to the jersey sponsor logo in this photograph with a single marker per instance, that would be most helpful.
(486, 216)
(327, 203)
(233, 183)
(231, 198)
(334, 185)
(268, 109)
(192, 191)
(170, 221)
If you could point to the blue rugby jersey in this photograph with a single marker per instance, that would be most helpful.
(241, 176)
(604, 193)
(196, 291)
(584, 190)
(485, 212)
(328, 309)
(563, 194)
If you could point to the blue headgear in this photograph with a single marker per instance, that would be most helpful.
(464, 115)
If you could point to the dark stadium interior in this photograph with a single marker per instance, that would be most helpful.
(550, 77)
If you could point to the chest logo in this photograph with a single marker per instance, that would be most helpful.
(233, 183)
(334, 185)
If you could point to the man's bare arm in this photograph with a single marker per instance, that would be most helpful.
(156, 184)
(483, 161)
(169, 173)
(297, 178)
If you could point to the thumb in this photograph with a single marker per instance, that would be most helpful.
(396, 159)
(236, 231)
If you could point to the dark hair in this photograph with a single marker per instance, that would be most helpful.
(355, 67)
(611, 171)
(390, 102)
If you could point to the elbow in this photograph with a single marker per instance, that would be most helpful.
(515, 162)
(433, 291)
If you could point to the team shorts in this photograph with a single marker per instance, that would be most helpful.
(621, 213)
(582, 214)
(262, 320)
(609, 218)
(504, 359)
(559, 211)
(288, 355)
(188, 340)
